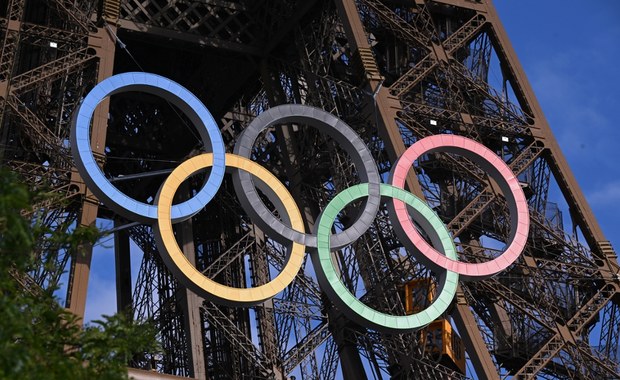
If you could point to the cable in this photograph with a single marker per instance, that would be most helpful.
(141, 159)
(123, 46)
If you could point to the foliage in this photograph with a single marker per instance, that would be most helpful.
(38, 338)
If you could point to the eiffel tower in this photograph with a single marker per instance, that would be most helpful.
(396, 71)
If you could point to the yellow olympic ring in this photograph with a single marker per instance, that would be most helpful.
(193, 278)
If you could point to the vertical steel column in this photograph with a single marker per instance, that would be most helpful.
(103, 42)
(190, 304)
(122, 263)
(15, 13)
(386, 107)
(264, 315)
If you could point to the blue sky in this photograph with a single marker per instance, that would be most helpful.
(570, 52)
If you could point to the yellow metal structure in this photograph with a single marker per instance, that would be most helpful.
(444, 345)
(439, 339)
(419, 293)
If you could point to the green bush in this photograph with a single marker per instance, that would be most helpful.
(38, 338)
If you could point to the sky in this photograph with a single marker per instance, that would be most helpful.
(570, 51)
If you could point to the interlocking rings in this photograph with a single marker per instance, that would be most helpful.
(333, 127)
(288, 229)
(186, 272)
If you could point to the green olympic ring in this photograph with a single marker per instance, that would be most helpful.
(330, 281)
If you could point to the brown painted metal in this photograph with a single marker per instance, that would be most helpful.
(103, 43)
(190, 304)
(388, 68)
(122, 263)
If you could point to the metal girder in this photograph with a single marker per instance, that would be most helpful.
(190, 303)
(154, 299)
(239, 338)
(260, 274)
(492, 125)
(10, 42)
(524, 305)
(510, 110)
(609, 332)
(305, 347)
(329, 365)
(104, 48)
(478, 204)
(219, 24)
(402, 28)
(188, 38)
(69, 9)
(301, 309)
(574, 326)
(227, 258)
(61, 67)
(9, 49)
(41, 35)
(42, 137)
(427, 64)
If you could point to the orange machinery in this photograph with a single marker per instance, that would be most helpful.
(440, 340)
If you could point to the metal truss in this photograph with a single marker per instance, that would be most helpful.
(396, 72)
(44, 70)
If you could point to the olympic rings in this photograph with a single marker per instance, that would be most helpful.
(288, 229)
(186, 272)
(175, 94)
(498, 170)
(335, 128)
(356, 310)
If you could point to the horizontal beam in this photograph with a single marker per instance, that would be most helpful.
(169, 35)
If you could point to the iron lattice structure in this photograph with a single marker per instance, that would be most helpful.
(396, 71)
